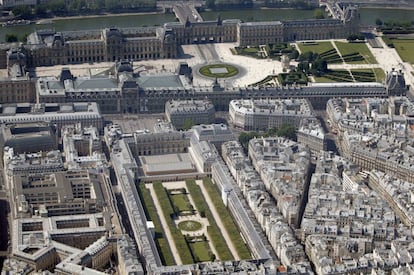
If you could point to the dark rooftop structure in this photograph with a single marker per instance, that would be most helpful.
(28, 137)
(396, 83)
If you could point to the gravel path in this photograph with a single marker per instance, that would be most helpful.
(197, 217)
(218, 221)
(165, 227)
(204, 222)
(181, 184)
(254, 69)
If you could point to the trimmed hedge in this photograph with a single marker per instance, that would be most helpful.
(213, 230)
(364, 76)
(151, 214)
(291, 78)
(277, 49)
(264, 81)
(388, 41)
(339, 76)
(331, 56)
(231, 70)
(355, 52)
(168, 211)
(227, 219)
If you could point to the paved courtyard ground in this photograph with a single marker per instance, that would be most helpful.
(252, 70)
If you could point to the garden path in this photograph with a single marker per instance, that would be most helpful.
(219, 222)
(164, 224)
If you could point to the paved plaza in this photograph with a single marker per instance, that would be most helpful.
(251, 70)
(195, 56)
(130, 123)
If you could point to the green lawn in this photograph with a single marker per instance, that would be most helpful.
(374, 75)
(190, 225)
(181, 202)
(360, 75)
(380, 74)
(264, 81)
(388, 41)
(405, 48)
(339, 75)
(201, 251)
(227, 219)
(291, 78)
(229, 70)
(322, 79)
(213, 230)
(346, 48)
(151, 214)
(251, 50)
(169, 213)
(317, 47)
(247, 51)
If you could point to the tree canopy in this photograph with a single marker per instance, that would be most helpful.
(61, 7)
(286, 130)
(11, 38)
(188, 123)
(318, 14)
(378, 22)
(310, 62)
(354, 37)
(24, 12)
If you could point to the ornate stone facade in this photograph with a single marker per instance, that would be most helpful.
(47, 47)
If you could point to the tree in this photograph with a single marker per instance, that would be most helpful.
(303, 67)
(24, 12)
(378, 22)
(319, 67)
(11, 38)
(294, 54)
(300, 4)
(188, 123)
(287, 130)
(389, 23)
(318, 14)
(24, 37)
(353, 37)
(244, 139)
(57, 7)
(40, 10)
(77, 6)
(112, 5)
(210, 4)
(308, 56)
(361, 37)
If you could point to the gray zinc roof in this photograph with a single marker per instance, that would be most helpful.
(160, 81)
(95, 83)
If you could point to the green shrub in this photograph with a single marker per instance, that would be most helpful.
(213, 230)
(292, 77)
(226, 219)
(151, 214)
(168, 212)
(231, 70)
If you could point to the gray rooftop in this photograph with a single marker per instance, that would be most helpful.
(160, 81)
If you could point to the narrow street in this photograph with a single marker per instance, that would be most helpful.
(5, 219)
(331, 138)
